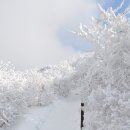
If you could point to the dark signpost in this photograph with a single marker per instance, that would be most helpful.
(82, 115)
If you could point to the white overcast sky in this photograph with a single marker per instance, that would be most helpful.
(29, 28)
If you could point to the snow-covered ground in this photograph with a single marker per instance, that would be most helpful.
(63, 114)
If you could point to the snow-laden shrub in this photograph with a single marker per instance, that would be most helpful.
(11, 94)
(56, 79)
(18, 90)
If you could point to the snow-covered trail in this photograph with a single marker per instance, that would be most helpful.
(63, 114)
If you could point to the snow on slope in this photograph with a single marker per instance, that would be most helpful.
(63, 114)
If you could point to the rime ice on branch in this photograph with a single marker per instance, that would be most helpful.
(107, 95)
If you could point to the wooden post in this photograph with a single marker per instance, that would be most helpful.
(82, 116)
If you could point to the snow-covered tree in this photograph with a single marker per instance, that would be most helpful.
(107, 90)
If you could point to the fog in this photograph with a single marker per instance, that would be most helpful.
(28, 30)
